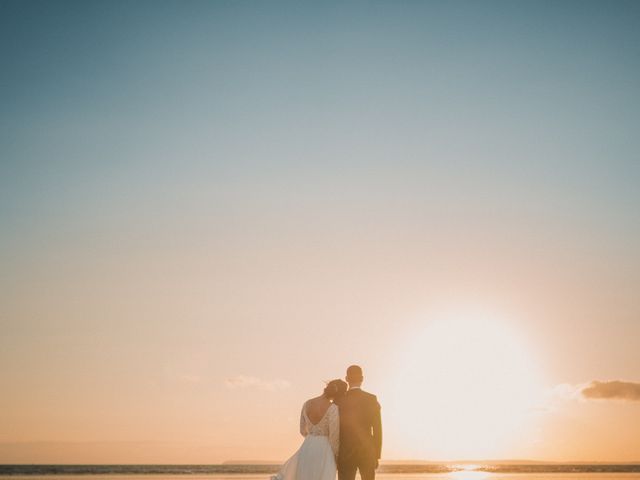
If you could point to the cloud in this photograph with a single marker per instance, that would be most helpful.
(612, 390)
(555, 398)
(244, 381)
(189, 378)
(566, 392)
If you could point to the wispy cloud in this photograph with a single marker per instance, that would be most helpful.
(565, 392)
(245, 381)
(190, 378)
(612, 390)
(554, 398)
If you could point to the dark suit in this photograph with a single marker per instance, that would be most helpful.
(360, 435)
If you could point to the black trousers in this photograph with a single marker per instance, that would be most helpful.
(347, 471)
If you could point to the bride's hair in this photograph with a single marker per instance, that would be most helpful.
(335, 389)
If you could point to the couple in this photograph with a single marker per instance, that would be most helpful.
(342, 430)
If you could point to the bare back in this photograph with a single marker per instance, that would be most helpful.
(316, 408)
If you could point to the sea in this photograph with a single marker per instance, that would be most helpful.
(263, 472)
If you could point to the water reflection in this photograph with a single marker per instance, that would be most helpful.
(467, 472)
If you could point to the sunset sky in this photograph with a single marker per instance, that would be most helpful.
(209, 208)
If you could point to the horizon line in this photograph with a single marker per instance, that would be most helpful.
(382, 462)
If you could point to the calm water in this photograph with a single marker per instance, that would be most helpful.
(261, 472)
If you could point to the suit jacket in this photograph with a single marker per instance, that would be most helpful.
(360, 428)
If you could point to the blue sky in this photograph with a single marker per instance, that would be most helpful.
(535, 102)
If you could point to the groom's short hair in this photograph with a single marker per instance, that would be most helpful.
(354, 372)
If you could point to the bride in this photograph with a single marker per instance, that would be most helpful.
(320, 425)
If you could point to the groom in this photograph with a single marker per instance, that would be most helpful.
(360, 430)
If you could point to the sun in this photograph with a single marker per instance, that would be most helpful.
(463, 388)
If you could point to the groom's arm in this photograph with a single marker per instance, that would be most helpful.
(377, 429)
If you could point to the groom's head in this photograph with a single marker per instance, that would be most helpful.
(354, 376)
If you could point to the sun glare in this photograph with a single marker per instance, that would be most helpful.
(468, 474)
(463, 389)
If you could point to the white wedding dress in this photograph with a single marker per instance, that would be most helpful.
(315, 459)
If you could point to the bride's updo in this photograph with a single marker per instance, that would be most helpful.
(335, 389)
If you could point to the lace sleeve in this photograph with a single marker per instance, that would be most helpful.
(334, 429)
(303, 422)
